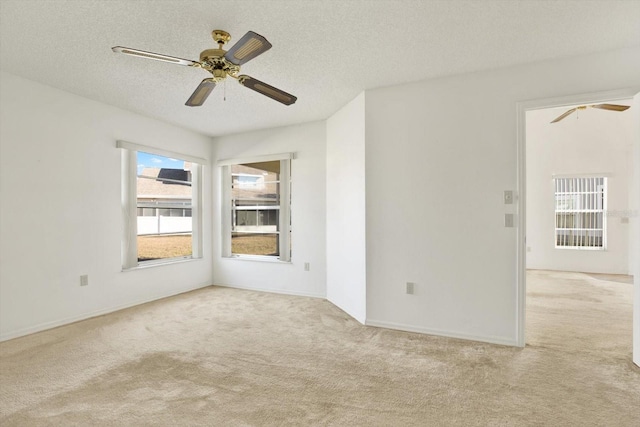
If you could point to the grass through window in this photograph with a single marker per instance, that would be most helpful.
(164, 246)
(254, 244)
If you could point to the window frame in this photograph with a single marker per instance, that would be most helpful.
(284, 223)
(129, 204)
(602, 210)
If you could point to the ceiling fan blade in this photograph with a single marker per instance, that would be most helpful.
(201, 93)
(612, 107)
(247, 48)
(156, 56)
(267, 90)
(562, 116)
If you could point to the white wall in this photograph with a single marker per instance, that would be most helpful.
(634, 191)
(634, 203)
(307, 212)
(346, 231)
(439, 155)
(60, 213)
(591, 142)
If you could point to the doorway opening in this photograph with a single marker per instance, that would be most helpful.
(576, 250)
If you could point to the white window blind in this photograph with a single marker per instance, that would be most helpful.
(580, 212)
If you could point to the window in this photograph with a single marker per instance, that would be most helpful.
(244, 180)
(256, 207)
(160, 201)
(580, 213)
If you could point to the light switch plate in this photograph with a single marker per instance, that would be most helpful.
(508, 220)
(508, 197)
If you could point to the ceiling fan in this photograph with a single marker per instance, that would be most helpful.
(222, 63)
(611, 107)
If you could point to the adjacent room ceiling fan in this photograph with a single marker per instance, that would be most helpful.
(221, 63)
(611, 107)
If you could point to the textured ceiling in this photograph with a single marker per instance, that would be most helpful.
(325, 52)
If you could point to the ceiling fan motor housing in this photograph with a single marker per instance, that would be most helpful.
(213, 60)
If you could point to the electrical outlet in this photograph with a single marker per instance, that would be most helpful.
(410, 288)
(84, 280)
(306, 266)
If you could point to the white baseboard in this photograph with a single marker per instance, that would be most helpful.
(61, 322)
(369, 322)
(441, 333)
(274, 291)
(585, 271)
(361, 321)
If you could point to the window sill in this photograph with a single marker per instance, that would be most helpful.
(257, 258)
(150, 264)
(580, 248)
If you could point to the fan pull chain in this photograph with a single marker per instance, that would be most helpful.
(225, 90)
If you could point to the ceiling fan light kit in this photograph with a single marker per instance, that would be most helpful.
(610, 107)
(222, 64)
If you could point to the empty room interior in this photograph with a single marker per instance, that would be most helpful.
(579, 173)
(319, 213)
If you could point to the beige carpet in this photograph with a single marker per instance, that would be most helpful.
(218, 357)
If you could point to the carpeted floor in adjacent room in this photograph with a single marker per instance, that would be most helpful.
(227, 357)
